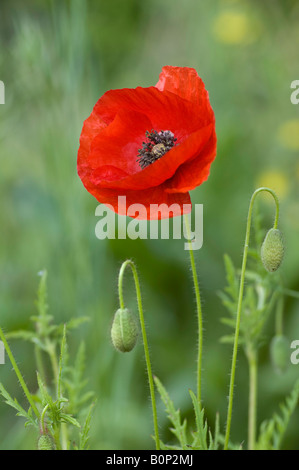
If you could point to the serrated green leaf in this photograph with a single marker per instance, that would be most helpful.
(66, 418)
(21, 334)
(179, 429)
(214, 441)
(168, 447)
(273, 431)
(201, 434)
(12, 402)
(84, 433)
(233, 284)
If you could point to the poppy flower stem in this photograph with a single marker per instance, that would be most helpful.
(198, 306)
(252, 405)
(131, 264)
(239, 310)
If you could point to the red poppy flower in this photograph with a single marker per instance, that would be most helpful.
(152, 145)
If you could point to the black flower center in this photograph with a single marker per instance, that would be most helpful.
(156, 145)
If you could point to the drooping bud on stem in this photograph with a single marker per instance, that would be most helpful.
(45, 442)
(124, 331)
(272, 250)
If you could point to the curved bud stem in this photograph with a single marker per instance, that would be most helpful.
(131, 264)
(239, 308)
(42, 418)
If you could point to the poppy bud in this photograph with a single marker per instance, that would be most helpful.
(280, 352)
(45, 442)
(272, 250)
(124, 331)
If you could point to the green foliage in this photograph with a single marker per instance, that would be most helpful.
(273, 431)
(179, 428)
(259, 297)
(46, 336)
(258, 303)
(85, 430)
(55, 410)
(200, 441)
(202, 438)
(75, 383)
(57, 58)
(280, 353)
(20, 410)
(63, 400)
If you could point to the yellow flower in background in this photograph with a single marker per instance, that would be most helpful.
(276, 180)
(233, 27)
(288, 134)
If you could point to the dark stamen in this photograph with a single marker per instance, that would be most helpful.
(157, 144)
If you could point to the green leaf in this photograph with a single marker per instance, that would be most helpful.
(273, 431)
(84, 433)
(179, 428)
(233, 284)
(20, 410)
(74, 382)
(214, 442)
(21, 334)
(61, 361)
(201, 434)
(168, 447)
(66, 418)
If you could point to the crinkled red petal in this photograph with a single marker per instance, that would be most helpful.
(164, 168)
(156, 203)
(91, 127)
(118, 143)
(166, 110)
(185, 82)
(194, 172)
(115, 130)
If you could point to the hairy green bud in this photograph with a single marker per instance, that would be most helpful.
(45, 442)
(124, 331)
(272, 250)
(280, 353)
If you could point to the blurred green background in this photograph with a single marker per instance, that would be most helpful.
(56, 59)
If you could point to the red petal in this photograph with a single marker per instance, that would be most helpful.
(106, 173)
(114, 132)
(119, 142)
(166, 111)
(165, 168)
(193, 173)
(184, 82)
(169, 204)
(91, 127)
